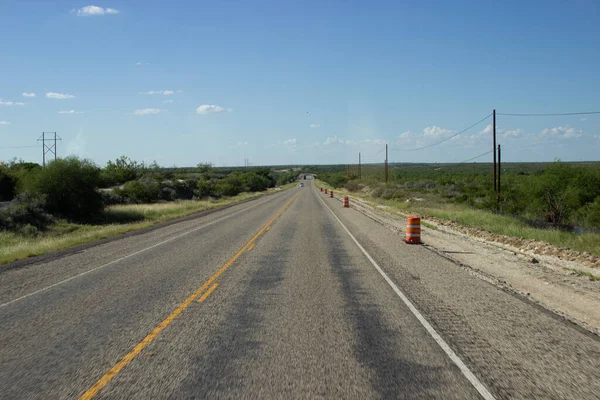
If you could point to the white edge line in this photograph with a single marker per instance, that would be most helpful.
(130, 255)
(459, 363)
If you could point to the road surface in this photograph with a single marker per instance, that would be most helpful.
(287, 296)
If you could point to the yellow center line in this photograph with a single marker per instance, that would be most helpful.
(208, 292)
(253, 245)
(268, 228)
(102, 382)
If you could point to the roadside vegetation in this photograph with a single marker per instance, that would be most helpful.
(73, 201)
(536, 201)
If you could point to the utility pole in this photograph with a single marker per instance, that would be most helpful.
(386, 164)
(359, 174)
(499, 173)
(494, 148)
(48, 148)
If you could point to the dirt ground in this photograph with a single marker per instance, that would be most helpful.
(542, 273)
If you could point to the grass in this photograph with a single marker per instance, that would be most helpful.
(493, 223)
(116, 220)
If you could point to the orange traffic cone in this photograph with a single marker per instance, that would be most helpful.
(321, 189)
(325, 190)
(345, 202)
(331, 193)
(413, 230)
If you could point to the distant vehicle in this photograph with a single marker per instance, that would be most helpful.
(301, 184)
(304, 177)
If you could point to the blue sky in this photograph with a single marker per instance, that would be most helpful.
(299, 82)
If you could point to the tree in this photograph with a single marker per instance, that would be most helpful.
(70, 188)
(122, 170)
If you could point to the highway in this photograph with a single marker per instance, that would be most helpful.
(286, 296)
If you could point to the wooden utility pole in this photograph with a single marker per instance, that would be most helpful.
(359, 174)
(499, 173)
(386, 164)
(494, 148)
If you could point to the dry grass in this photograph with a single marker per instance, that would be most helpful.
(492, 223)
(117, 220)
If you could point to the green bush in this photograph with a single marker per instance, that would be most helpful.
(205, 188)
(26, 214)
(232, 185)
(254, 182)
(184, 190)
(122, 170)
(8, 184)
(144, 190)
(70, 188)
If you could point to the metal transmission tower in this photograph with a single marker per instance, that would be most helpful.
(48, 148)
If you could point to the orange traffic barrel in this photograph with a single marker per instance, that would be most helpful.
(325, 190)
(345, 202)
(331, 193)
(413, 230)
(321, 189)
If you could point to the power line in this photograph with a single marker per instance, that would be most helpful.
(448, 138)
(18, 147)
(471, 159)
(550, 114)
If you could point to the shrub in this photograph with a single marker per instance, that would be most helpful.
(184, 190)
(144, 190)
(205, 188)
(8, 184)
(70, 188)
(122, 170)
(27, 209)
(111, 198)
(353, 186)
(254, 182)
(229, 186)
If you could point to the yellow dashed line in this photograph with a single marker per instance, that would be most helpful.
(152, 335)
(208, 292)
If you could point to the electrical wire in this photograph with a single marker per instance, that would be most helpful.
(481, 155)
(550, 114)
(18, 147)
(446, 139)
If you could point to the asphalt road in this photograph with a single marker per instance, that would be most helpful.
(287, 296)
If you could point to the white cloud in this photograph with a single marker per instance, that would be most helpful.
(376, 141)
(562, 132)
(70, 112)
(210, 109)
(88, 11)
(583, 119)
(240, 144)
(11, 103)
(337, 140)
(141, 63)
(61, 96)
(435, 131)
(147, 111)
(315, 126)
(4, 122)
(28, 94)
(513, 133)
(163, 92)
(168, 101)
(488, 129)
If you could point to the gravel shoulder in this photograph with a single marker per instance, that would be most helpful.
(542, 273)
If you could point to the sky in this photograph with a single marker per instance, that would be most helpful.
(299, 82)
